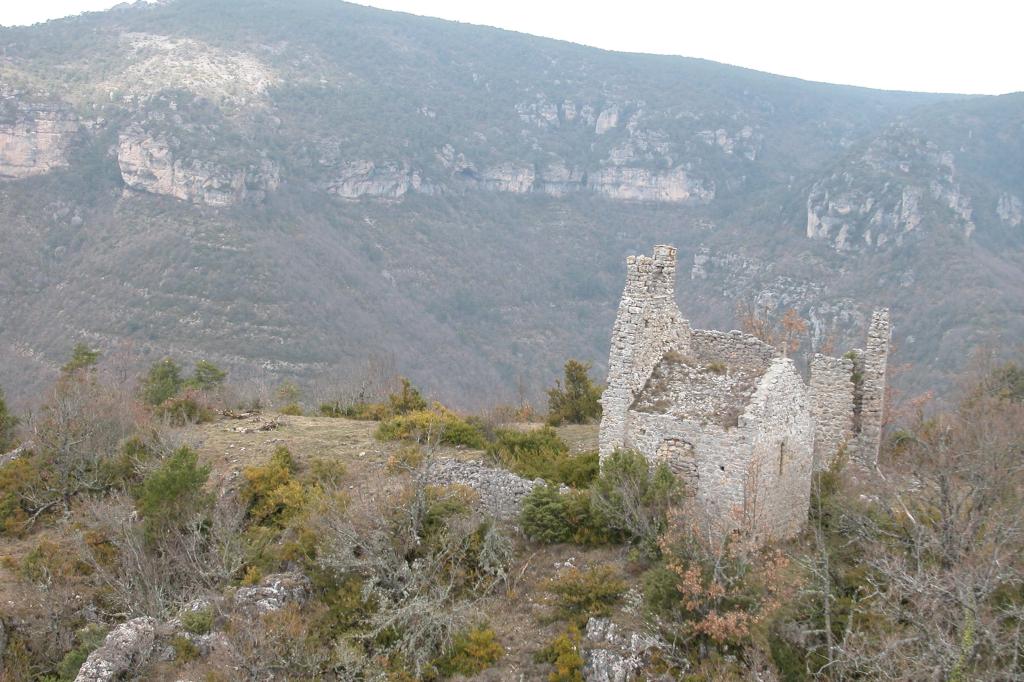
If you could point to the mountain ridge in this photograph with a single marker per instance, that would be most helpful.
(376, 176)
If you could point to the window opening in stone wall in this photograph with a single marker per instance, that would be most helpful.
(782, 455)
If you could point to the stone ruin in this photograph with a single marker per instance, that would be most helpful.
(728, 413)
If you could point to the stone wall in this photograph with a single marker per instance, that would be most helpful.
(501, 492)
(713, 460)
(648, 324)
(778, 487)
(831, 394)
(872, 390)
(734, 349)
(735, 473)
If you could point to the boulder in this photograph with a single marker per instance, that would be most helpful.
(273, 592)
(125, 648)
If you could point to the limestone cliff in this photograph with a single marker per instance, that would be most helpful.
(149, 164)
(886, 192)
(34, 137)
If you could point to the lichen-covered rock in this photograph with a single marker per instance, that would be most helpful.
(273, 592)
(610, 655)
(125, 648)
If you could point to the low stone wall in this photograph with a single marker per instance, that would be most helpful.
(501, 492)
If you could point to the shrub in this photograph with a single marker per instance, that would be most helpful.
(272, 494)
(717, 367)
(8, 423)
(173, 493)
(186, 408)
(198, 622)
(407, 400)
(472, 652)
(583, 594)
(550, 516)
(15, 478)
(82, 357)
(207, 376)
(576, 402)
(544, 516)
(184, 649)
(542, 454)
(564, 654)
(89, 639)
(433, 426)
(633, 499)
(291, 410)
(162, 382)
(407, 458)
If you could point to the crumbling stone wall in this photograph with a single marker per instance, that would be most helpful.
(832, 405)
(648, 324)
(734, 473)
(734, 349)
(752, 469)
(716, 474)
(501, 492)
(871, 372)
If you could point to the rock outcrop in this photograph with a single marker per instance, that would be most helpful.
(125, 648)
(640, 184)
(34, 137)
(365, 178)
(274, 592)
(611, 655)
(149, 164)
(899, 185)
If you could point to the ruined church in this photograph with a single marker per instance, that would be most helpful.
(729, 414)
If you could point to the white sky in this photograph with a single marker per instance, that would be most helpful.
(936, 45)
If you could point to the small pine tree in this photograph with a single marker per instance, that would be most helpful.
(82, 357)
(207, 376)
(544, 515)
(173, 494)
(163, 382)
(576, 402)
(8, 423)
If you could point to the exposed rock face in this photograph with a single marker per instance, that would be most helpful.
(366, 179)
(34, 138)
(159, 62)
(509, 177)
(558, 180)
(273, 592)
(606, 120)
(1010, 210)
(640, 184)
(125, 648)
(887, 193)
(149, 164)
